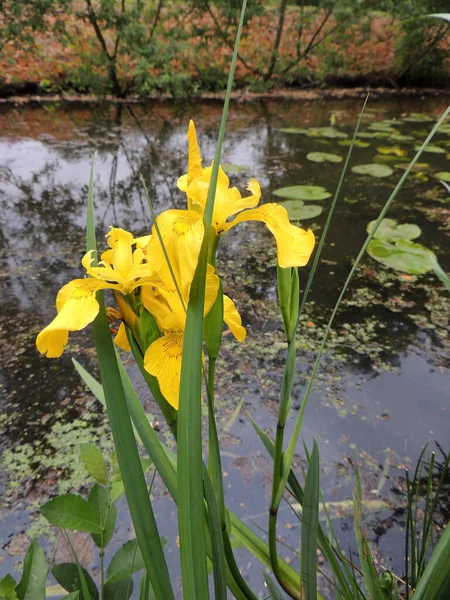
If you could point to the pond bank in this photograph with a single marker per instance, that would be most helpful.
(314, 93)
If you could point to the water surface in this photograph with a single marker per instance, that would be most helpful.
(382, 390)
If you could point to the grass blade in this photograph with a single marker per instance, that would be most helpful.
(260, 550)
(124, 440)
(274, 592)
(289, 454)
(310, 519)
(365, 556)
(435, 581)
(189, 455)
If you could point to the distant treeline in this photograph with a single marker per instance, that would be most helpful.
(142, 47)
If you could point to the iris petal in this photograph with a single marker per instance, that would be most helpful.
(121, 339)
(233, 319)
(163, 361)
(78, 310)
(182, 234)
(294, 245)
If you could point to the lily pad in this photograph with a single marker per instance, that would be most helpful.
(391, 122)
(385, 159)
(303, 192)
(420, 177)
(366, 135)
(391, 232)
(298, 211)
(293, 130)
(418, 118)
(383, 127)
(400, 137)
(443, 175)
(373, 170)
(321, 157)
(357, 144)
(392, 150)
(327, 132)
(232, 168)
(404, 256)
(433, 149)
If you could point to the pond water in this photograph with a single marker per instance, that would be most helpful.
(382, 391)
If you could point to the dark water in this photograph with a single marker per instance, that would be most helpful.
(382, 390)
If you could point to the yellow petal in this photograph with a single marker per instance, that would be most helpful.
(194, 158)
(294, 245)
(233, 319)
(121, 339)
(127, 314)
(142, 242)
(155, 304)
(212, 287)
(121, 241)
(163, 361)
(78, 310)
(103, 271)
(229, 202)
(78, 284)
(182, 234)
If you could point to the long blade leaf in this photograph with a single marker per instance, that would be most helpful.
(191, 512)
(124, 440)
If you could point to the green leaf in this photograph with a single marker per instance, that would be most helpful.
(303, 192)
(380, 126)
(443, 175)
(99, 500)
(121, 590)
(310, 523)
(274, 592)
(293, 130)
(298, 211)
(71, 512)
(322, 157)
(400, 137)
(260, 551)
(367, 135)
(232, 168)
(72, 596)
(392, 150)
(34, 574)
(418, 118)
(357, 144)
(433, 149)
(373, 169)
(126, 561)
(435, 581)
(389, 231)
(67, 575)
(326, 132)
(138, 499)
(405, 256)
(191, 508)
(365, 556)
(94, 463)
(8, 588)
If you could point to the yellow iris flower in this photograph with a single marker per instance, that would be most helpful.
(182, 233)
(294, 245)
(120, 269)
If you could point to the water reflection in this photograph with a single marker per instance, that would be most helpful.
(389, 346)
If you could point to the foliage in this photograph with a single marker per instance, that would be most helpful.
(122, 48)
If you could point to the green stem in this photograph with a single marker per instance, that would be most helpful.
(231, 561)
(274, 555)
(102, 568)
